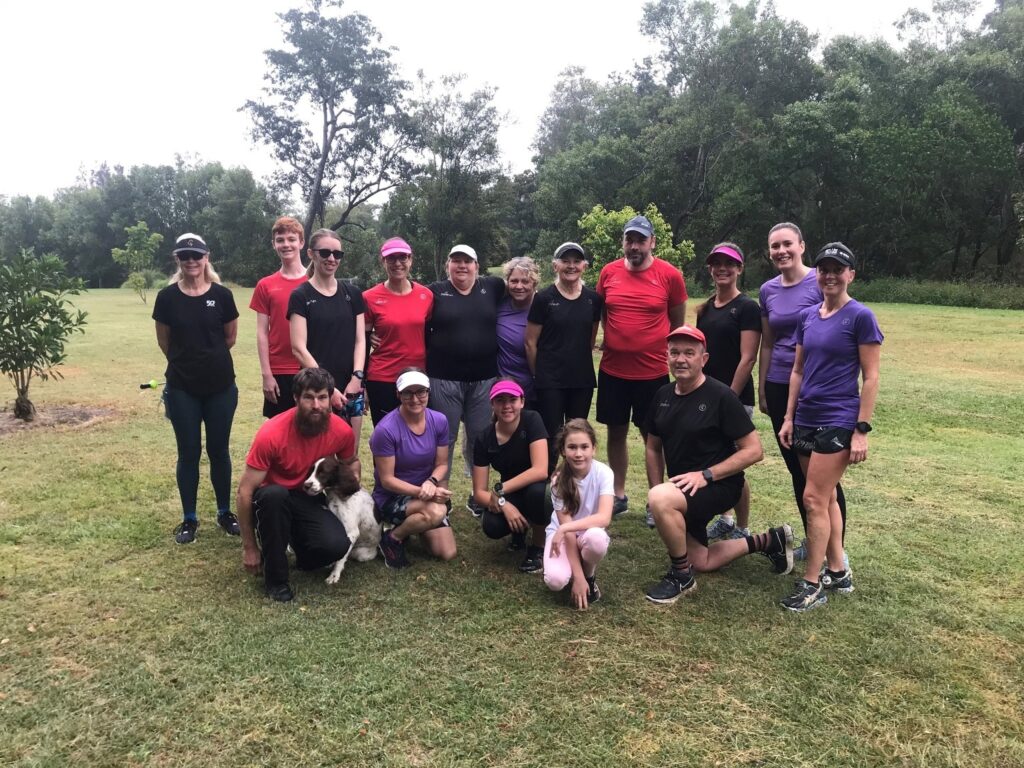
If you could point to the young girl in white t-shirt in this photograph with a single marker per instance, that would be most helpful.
(582, 496)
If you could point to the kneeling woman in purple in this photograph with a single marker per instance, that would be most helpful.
(410, 464)
(582, 495)
(827, 419)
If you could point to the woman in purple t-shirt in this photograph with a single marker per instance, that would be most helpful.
(783, 299)
(827, 419)
(410, 464)
(522, 278)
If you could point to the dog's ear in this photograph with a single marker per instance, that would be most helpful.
(347, 482)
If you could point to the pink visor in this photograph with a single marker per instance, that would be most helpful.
(725, 250)
(506, 388)
(394, 245)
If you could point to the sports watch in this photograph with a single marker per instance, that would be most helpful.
(359, 375)
(708, 475)
(863, 427)
(499, 489)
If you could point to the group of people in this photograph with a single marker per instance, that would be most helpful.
(514, 366)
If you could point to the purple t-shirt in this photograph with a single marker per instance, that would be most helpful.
(829, 395)
(414, 454)
(511, 352)
(783, 305)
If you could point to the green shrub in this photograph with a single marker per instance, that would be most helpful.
(983, 295)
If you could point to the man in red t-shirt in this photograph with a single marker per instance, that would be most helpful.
(643, 298)
(271, 500)
(270, 301)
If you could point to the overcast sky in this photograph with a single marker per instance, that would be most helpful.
(130, 82)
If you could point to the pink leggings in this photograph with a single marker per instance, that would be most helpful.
(593, 546)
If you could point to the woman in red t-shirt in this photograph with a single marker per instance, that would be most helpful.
(396, 312)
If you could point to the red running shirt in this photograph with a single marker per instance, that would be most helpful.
(287, 456)
(636, 308)
(399, 322)
(270, 298)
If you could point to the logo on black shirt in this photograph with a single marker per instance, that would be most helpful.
(702, 407)
(211, 302)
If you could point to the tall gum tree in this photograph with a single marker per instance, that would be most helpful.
(332, 112)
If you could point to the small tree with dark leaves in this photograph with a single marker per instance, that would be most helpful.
(36, 320)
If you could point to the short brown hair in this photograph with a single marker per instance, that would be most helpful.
(287, 224)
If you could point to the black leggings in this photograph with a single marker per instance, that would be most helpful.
(557, 406)
(383, 398)
(533, 503)
(776, 399)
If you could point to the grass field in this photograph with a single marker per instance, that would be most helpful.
(119, 647)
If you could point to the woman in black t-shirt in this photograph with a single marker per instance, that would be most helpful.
(731, 322)
(560, 333)
(516, 445)
(462, 349)
(196, 326)
(328, 329)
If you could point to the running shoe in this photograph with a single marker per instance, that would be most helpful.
(186, 532)
(393, 551)
(838, 582)
(475, 509)
(620, 506)
(229, 523)
(674, 584)
(281, 593)
(781, 551)
(721, 528)
(650, 518)
(593, 591)
(806, 597)
(534, 561)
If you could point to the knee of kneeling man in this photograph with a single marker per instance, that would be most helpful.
(664, 496)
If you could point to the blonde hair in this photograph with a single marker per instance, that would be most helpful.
(209, 273)
(525, 263)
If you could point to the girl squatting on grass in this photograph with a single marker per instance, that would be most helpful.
(582, 496)
(196, 326)
(827, 420)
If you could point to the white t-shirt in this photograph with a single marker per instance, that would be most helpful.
(600, 481)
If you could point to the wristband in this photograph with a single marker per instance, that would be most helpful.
(434, 480)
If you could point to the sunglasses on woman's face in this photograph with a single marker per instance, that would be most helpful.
(327, 253)
(190, 256)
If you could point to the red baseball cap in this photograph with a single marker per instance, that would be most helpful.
(688, 331)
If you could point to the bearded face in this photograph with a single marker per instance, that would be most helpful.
(313, 412)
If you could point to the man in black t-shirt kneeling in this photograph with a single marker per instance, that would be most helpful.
(699, 430)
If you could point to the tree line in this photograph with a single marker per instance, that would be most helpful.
(912, 154)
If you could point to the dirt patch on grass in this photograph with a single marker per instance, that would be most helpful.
(54, 417)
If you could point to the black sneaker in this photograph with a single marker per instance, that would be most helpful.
(593, 591)
(475, 509)
(620, 506)
(838, 582)
(393, 551)
(781, 552)
(281, 593)
(516, 542)
(229, 523)
(186, 532)
(668, 590)
(534, 562)
(806, 597)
